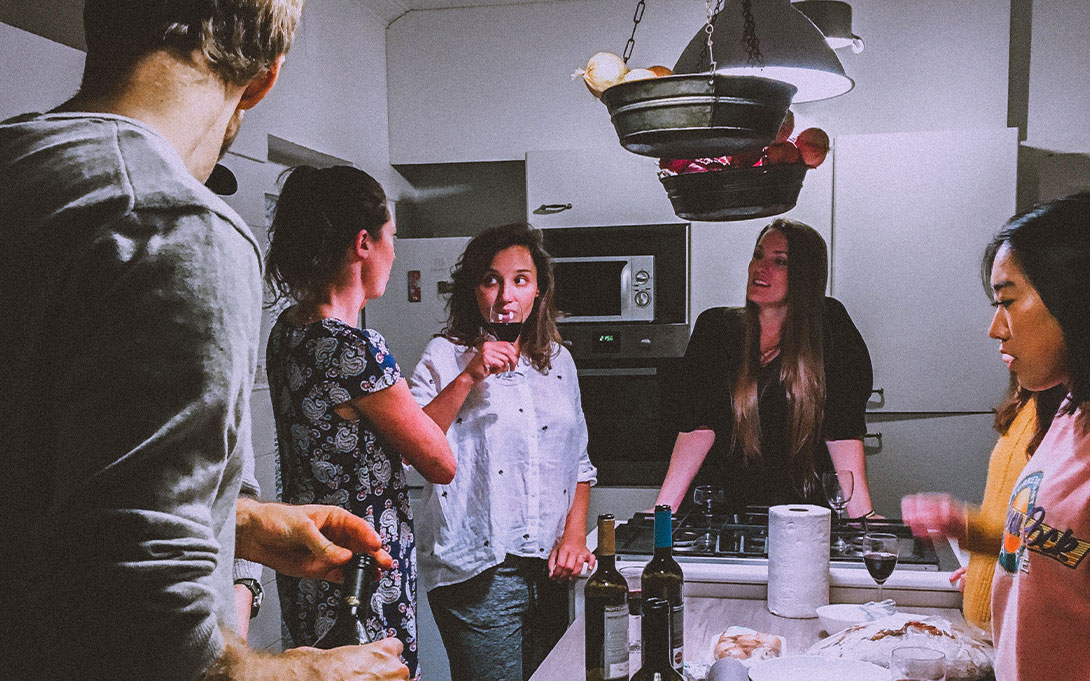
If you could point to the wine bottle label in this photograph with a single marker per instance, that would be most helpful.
(677, 635)
(615, 645)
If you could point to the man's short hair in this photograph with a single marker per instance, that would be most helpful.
(237, 38)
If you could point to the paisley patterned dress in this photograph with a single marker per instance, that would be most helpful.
(325, 459)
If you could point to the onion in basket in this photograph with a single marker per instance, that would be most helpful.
(603, 70)
(638, 74)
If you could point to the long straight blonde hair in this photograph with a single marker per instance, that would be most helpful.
(802, 365)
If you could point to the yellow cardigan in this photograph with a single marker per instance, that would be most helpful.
(985, 525)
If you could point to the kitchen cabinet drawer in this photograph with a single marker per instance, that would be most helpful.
(602, 186)
(927, 453)
(912, 213)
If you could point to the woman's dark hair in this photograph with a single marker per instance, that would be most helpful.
(1050, 243)
(318, 216)
(465, 326)
(1045, 405)
(802, 364)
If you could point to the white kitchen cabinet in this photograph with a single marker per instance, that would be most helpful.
(603, 185)
(912, 213)
(927, 453)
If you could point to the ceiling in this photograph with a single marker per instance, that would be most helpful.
(392, 9)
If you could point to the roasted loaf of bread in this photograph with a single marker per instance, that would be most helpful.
(748, 646)
(967, 659)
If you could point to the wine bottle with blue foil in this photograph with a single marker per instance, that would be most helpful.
(663, 578)
(658, 662)
(606, 608)
(348, 628)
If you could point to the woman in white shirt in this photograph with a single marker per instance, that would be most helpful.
(498, 543)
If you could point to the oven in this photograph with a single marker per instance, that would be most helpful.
(628, 367)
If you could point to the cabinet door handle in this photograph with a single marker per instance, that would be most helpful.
(877, 437)
(551, 208)
(880, 392)
(880, 401)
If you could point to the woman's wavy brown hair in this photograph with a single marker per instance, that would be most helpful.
(464, 323)
(802, 365)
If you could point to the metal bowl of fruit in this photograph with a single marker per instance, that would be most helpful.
(735, 193)
(695, 115)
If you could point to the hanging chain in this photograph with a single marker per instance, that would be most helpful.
(709, 29)
(749, 36)
(636, 18)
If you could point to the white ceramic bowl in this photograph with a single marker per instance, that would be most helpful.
(840, 616)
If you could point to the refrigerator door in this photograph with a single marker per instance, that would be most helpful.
(413, 308)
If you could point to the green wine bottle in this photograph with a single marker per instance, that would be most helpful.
(348, 629)
(657, 655)
(662, 578)
(606, 608)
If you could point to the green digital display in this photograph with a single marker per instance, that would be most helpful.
(606, 342)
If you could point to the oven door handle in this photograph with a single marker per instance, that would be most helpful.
(633, 371)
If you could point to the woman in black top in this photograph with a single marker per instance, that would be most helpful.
(774, 393)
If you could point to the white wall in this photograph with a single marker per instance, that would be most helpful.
(38, 74)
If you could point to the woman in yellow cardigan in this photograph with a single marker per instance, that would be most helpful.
(1022, 422)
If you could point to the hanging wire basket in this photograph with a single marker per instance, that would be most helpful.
(697, 115)
(735, 193)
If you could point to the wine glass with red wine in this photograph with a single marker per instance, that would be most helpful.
(505, 321)
(880, 557)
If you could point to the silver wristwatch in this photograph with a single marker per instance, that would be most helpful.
(256, 592)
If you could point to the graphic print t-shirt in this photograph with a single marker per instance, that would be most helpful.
(1041, 590)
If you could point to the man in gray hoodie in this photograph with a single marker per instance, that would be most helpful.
(131, 310)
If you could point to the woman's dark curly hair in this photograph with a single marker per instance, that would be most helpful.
(465, 326)
(318, 216)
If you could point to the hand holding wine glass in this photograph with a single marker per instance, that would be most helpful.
(505, 320)
(880, 555)
(838, 487)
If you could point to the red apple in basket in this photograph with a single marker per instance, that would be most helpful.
(813, 143)
(745, 159)
(787, 127)
(779, 153)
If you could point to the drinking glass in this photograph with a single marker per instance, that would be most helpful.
(505, 321)
(705, 497)
(880, 557)
(838, 487)
(633, 576)
(915, 663)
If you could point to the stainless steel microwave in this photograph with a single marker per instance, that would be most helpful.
(617, 288)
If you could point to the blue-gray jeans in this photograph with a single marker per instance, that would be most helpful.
(500, 625)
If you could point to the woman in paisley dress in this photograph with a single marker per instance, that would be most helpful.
(344, 416)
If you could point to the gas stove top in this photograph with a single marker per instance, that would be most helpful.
(743, 537)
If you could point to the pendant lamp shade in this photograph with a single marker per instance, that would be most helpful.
(834, 19)
(792, 50)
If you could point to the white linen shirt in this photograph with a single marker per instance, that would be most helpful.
(521, 449)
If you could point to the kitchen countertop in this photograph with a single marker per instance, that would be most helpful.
(705, 619)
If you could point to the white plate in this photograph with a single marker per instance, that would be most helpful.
(814, 668)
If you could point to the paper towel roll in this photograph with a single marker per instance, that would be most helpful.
(798, 559)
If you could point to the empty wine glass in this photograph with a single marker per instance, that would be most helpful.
(705, 496)
(880, 556)
(838, 487)
(505, 320)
